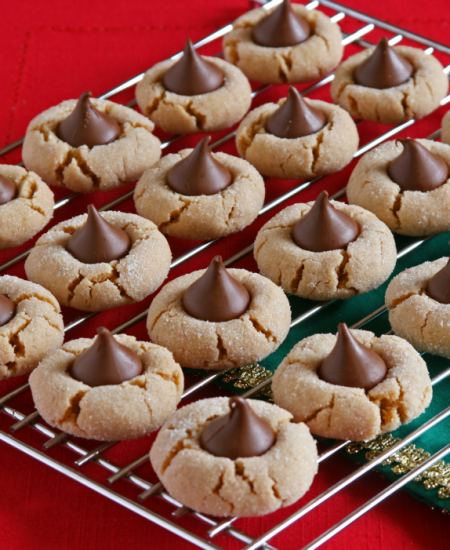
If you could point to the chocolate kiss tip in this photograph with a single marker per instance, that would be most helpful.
(385, 68)
(295, 118)
(325, 227)
(351, 364)
(106, 362)
(192, 75)
(7, 310)
(8, 191)
(199, 173)
(438, 287)
(238, 434)
(281, 28)
(417, 169)
(98, 240)
(216, 296)
(88, 126)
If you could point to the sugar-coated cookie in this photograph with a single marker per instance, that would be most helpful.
(34, 327)
(221, 486)
(342, 412)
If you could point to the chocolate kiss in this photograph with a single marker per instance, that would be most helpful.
(282, 27)
(351, 364)
(106, 362)
(88, 126)
(238, 434)
(295, 118)
(192, 75)
(385, 68)
(216, 296)
(324, 227)
(7, 310)
(199, 173)
(8, 191)
(438, 286)
(417, 169)
(98, 240)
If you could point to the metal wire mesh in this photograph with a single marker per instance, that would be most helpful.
(150, 491)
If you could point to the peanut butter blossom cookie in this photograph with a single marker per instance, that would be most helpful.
(325, 250)
(234, 457)
(26, 205)
(406, 184)
(109, 388)
(90, 145)
(418, 300)
(446, 128)
(298, 138)
(194, 93)
(287, 44)
(197, 195)
(31, 325)
(354, 386)
(389, 85)
(218, 318)
(98, 261)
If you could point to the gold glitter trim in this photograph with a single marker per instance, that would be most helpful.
(250, 376)
(405, 460)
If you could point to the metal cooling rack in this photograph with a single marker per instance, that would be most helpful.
(147, 490)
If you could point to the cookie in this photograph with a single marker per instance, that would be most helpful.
(128, 410)
(446, 128)
(35, 328)
(322, 152)
(188, 113)
(86, 169)
(309, 60)
(341, 412)
(29, 210)
(416, 316)
(413, 213)
(220, 486)
(341, 273)
(103, 285)
(201, 216)
(415, 98)
(245, 338)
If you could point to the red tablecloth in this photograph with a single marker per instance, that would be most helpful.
(51, 51)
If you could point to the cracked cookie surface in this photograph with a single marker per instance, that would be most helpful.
(213, 346)
(205, 216)
(323, 152)
(113, 412)
(446, 128)
(309, 60)
(415, 316)
(364, 265)
(181, 114)
(340, 412)
(243, 487)
(415, 98)
(102, 168)
(36, 329)
(413, 213)
(29, 212)
(102, 286)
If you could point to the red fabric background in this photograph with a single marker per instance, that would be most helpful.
(54, 50)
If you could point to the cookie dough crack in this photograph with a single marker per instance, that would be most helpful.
(298, 278)
(239, 471)
(341, 272)
(221, 349)
(313, 415)
(397, 301)
(396, 208)
(247, 137)
(15, 341)
(405, 104)
(73, 286)
(155, 103)
(315, 150)
(75, 155)
(73, 411)
(259, 328)
(422, 328)
(175, 215)
(161, 313)
(200, 119)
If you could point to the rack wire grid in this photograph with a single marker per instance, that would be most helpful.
(146, 491)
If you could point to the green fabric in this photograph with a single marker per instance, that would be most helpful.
(353, 310)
